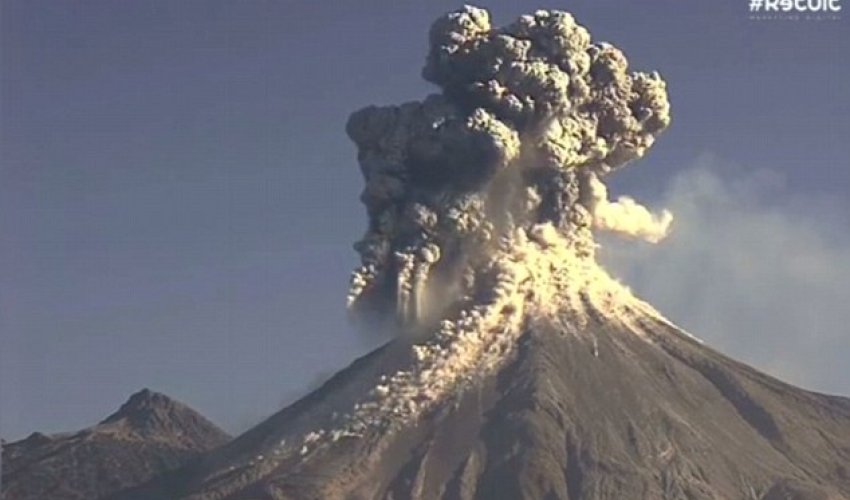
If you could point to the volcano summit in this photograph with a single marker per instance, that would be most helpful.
(520, 369)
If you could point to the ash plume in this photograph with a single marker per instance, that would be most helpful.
(482, 200)
(530, 118)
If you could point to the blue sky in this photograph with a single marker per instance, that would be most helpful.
(178, 198)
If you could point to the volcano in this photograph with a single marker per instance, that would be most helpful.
(606, 412)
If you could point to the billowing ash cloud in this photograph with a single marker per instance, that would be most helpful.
(530, 118)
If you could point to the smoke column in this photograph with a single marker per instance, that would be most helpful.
(530, 118)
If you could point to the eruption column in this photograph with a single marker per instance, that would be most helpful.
(481, 201)
(530, 118)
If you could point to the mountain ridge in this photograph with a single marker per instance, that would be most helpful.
(148, 435)
(599, 413)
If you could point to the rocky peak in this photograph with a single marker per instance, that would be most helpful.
(148, 435)
(152, 415)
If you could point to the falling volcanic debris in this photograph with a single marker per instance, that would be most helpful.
(530, 119)
(482, 199)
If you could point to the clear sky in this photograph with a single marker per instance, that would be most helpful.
(178, 198)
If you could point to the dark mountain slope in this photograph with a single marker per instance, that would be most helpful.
(603, 414)
(148, 435)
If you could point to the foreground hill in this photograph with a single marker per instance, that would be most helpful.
(147, 436)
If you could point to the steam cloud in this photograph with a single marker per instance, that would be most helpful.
(531, 117)
(626, 216)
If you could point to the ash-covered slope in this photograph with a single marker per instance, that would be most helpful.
(602, 413)
(147, 436)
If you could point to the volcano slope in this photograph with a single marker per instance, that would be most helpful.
(148, 435)
(602, 413)
(521, 369)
